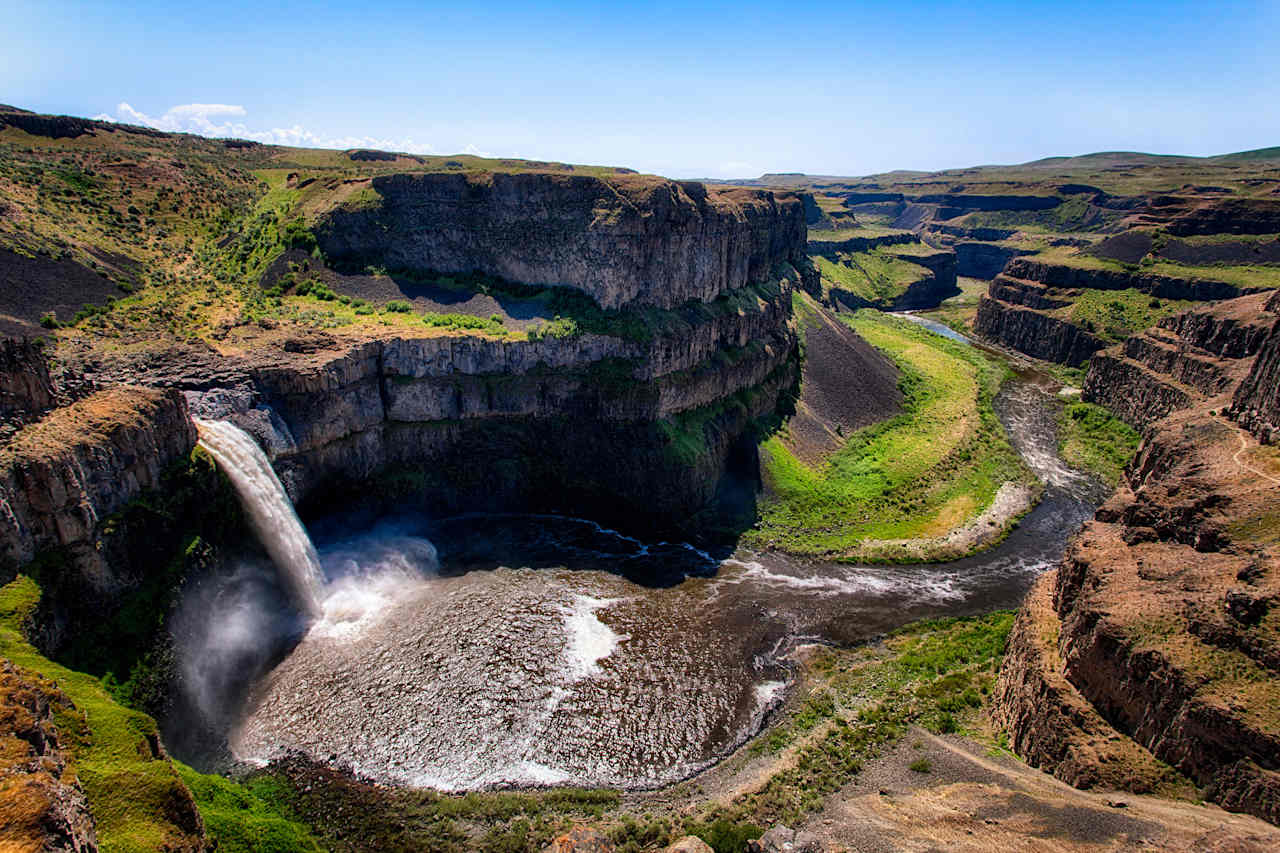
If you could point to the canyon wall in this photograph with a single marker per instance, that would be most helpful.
(1034, 333)
(631, 240)
(1147, 660)
(1257, 402)
(1189, 359)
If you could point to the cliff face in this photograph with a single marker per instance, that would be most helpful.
(640, 433)
(1039, 335)
(1257, 402)
(1160, 286)
(1190, 359)
(1157, 637)
(25, 387)
(982, 260)
(62, 477)
(627, 241)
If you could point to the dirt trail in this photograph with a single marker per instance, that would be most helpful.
(1244, 448)
(971, 801)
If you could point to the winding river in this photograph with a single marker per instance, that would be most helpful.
(481, 650)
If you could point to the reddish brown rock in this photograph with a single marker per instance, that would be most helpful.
(42, 807)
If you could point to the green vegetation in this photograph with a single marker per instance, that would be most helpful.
(135, 794)
(1074, 213)
(1092, 439)
(835, 235)
(958, 311)
(875, 277)
(919, 474)
(920, 765)
(1117, 314)
(1254, 276)
(934, 674)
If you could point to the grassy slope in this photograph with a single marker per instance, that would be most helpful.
(958, 311)
(875, 276)
(936, 674)
(920, 474)
(130, 792)
(1114, 315)
(1240, 275)
(1091, 438)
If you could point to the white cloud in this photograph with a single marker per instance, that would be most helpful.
(219, 120)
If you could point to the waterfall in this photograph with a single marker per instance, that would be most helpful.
(270, 511)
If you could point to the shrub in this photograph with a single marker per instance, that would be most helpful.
(920, 765)
(399, 306)
(49, 321)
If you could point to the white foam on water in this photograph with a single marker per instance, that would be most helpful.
(769, 695)
(835, 581)
(590, 640)
(371, 573)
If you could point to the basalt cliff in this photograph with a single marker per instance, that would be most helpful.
(1151, 652)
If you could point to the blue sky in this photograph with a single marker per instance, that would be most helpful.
(682, 89)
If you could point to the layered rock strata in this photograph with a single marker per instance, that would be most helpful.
(630, 240)
(1257, 401)
(1158, 632)
(1189, 359)
(1024, 307)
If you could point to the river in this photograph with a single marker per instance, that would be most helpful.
(493, 650)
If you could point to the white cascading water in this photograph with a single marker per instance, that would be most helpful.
(270, 511)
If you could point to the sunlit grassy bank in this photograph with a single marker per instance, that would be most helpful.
(918, 475)
(1092, 439)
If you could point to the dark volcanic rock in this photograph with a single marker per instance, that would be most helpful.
(627, 241)
(983, 260)
(1162, 286)
(1034, 333)
(1257, 402)
(1230, 216)
(25, 386)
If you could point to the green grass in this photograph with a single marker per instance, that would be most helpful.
(1092, 439)
(875, 276)
(936, 674)
(918, 474)
(835, 235)
(132, 792)
(1117, 314)
(958, 311)
(1240, 275)
(1073, 214)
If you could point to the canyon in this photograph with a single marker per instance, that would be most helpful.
(539, 422)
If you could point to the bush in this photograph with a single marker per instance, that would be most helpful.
(399, 306)
(920, 765)
(49, 321)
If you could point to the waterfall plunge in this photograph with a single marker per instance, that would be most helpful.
(270, 511)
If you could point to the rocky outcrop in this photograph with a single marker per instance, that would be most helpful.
(627, 241)
(983, 260)
(1160, 619)
(42, 805)
(1035, 333)
(62, 477)
(1049, 723)
(941, 262)
(1257, 402)
(860, 244)
(1190, 359)
(26, 389)
(1161, 286)
(1229, 216)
